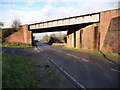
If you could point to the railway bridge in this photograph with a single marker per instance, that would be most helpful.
(95, 31)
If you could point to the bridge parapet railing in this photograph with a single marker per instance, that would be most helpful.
(67, 21)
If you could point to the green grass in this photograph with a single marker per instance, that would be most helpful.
(17, 72)
(110, 54)
(0, 70)
(55, 44)
(91, 51)
(96, 52)
(52, 74)
(15, 44)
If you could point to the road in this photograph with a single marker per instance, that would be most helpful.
(84, 70)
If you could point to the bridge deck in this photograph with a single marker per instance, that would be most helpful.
(89, 18)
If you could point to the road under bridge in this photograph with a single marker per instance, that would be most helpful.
(95, 31)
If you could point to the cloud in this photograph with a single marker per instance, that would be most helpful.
(1, 5)
(50, 12)
(60, 0)
(30, 2)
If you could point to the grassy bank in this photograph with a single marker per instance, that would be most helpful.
(15, 44)
(21, 72)
(17, 72)
(56, 44)
(96, 52)
(0, 70)
(109, 54)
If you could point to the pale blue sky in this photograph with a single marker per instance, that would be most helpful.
(31, 11)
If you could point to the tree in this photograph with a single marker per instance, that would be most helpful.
(16, 24)
(52, 35)
(8, 31)
(55, 38)
(1, 24)
(46, 38)
(65, 38)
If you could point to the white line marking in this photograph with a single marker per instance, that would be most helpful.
(114, 70)
(73, 79)
(35, 48)
(76, 57)
(69, 54)
(85, 60)
(69, 75)
(59, 51)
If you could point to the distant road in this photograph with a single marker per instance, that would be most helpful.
(86, 70)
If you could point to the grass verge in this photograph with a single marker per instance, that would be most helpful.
(15, 44)
(55, 44)
(1, 71)
(17, 72)
(96, 52)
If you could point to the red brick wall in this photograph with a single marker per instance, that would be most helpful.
(78, 39)
(27, 34)
(107, 36)
(109, 30)
(88, 37)
(70, 38)
(16, 37)
(22, 36)
(111, 42)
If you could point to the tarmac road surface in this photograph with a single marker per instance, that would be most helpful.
(86, 70)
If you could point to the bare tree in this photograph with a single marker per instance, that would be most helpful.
(1, 24)
(16, 24)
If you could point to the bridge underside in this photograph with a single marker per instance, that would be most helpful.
(60, 28)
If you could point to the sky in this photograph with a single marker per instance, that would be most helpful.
(33, 11)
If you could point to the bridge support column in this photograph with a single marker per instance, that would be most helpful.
(72, 35)
(70, 39)
(78, 39)
(27, 34)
